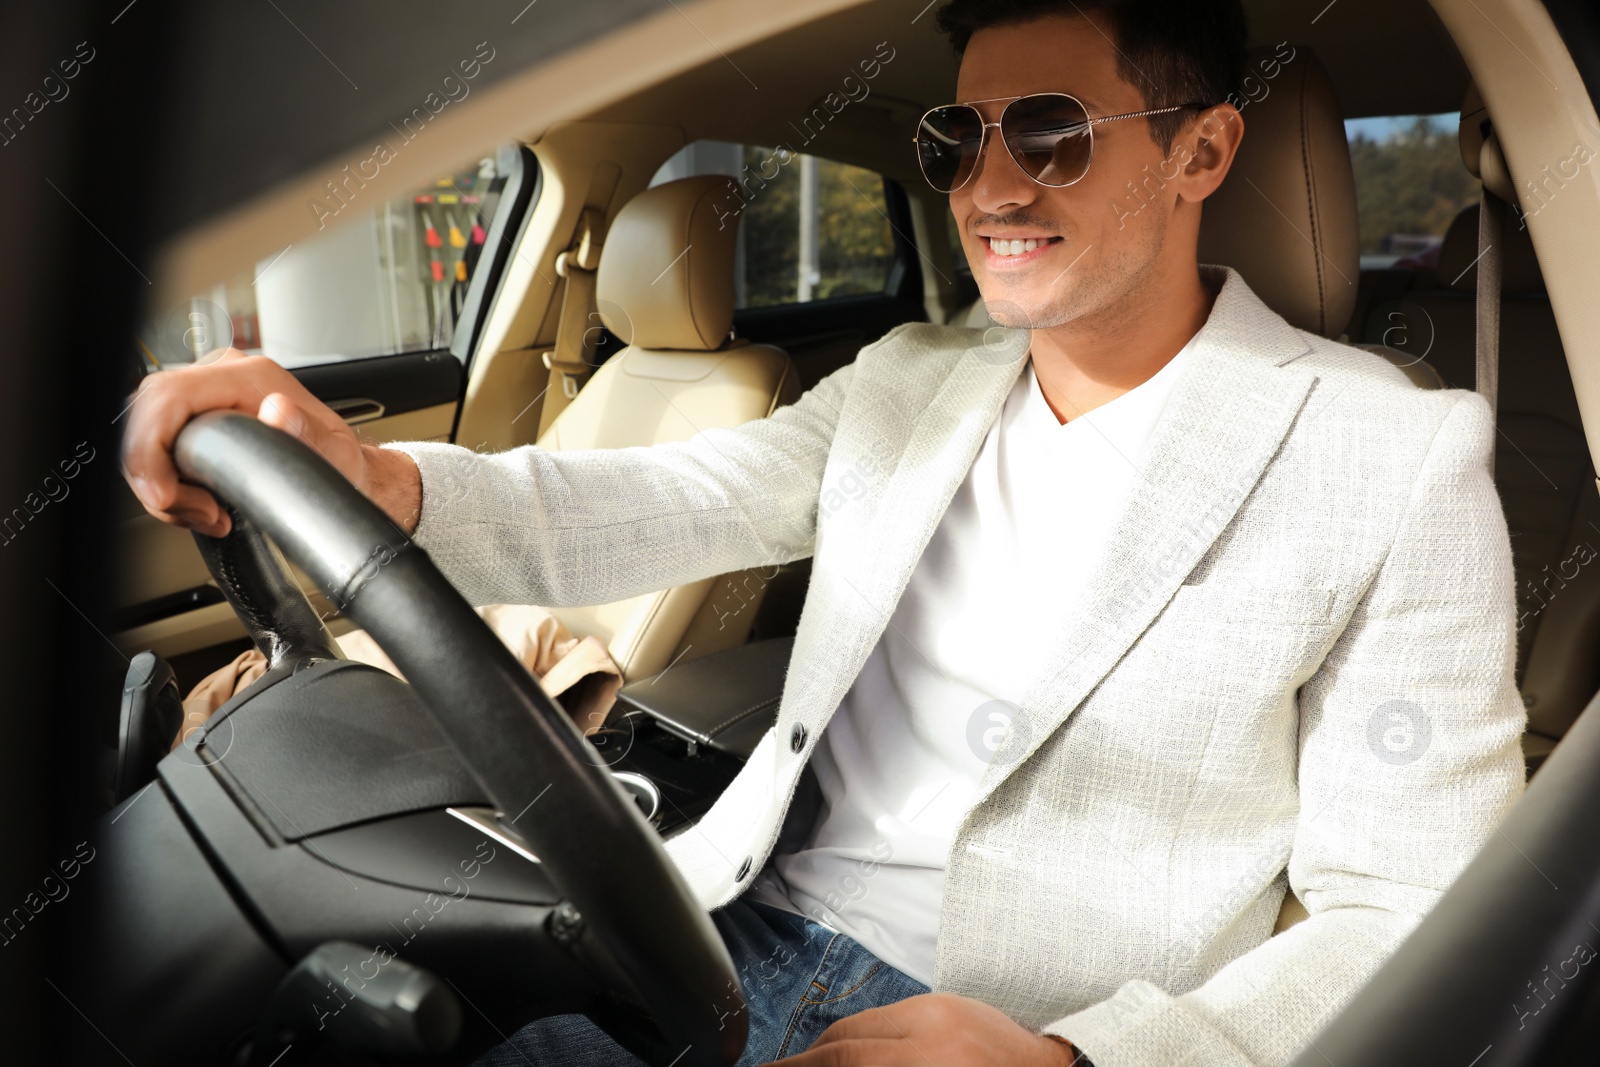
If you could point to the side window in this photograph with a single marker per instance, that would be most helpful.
(809, 228)
(1410, 183)
(962, 281)
(390, 280)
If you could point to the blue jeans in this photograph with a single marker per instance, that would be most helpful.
(798, 976)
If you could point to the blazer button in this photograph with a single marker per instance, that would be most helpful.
(797, 738)
(744, 869)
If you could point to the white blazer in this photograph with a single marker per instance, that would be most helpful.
(1294, 667)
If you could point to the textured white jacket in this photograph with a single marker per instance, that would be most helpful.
(1295, 666)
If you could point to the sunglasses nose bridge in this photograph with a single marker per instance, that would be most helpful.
(988, 146)
(985, 144)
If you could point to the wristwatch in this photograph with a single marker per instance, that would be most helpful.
(1082, 1060)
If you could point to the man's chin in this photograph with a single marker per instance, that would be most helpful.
(1021, 314)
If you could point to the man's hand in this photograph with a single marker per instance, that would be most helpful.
(939, 1028)
(257, 386)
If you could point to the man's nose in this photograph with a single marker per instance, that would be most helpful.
(998, 183)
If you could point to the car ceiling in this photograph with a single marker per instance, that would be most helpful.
(268, 109)
(1386, 57)
(270, 89)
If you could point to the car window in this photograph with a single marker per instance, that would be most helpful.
(1410, 182)
(392, 279)
(809, 228)
(961, 280)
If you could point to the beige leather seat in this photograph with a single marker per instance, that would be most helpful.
(1542, 464)
(665, 288)
(1285, 217)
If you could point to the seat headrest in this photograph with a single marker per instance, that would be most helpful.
(1285, 216)
(1458, 254)
(666, 272)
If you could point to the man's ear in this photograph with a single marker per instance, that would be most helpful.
(1211, 143)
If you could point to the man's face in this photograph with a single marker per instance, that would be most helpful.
(1096, 243)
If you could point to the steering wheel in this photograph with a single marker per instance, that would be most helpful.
(623, 894)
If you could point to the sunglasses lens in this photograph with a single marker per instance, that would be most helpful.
(947, 145)
(1049, 137)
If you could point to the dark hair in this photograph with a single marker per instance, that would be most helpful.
(1172, 51)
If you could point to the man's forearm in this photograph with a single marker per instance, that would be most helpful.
(395, 484)
(532, 525)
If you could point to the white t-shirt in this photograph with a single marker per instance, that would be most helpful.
(901, 759)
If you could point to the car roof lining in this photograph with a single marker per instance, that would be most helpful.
(675, 66)
(1412, 67)
(244, 221)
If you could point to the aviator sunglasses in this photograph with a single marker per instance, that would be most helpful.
(1049, 135)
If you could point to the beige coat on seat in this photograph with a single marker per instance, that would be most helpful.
(575, 669)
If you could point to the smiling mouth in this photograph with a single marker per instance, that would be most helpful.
(1005, 248)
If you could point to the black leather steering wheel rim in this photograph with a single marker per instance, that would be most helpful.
(635, 907)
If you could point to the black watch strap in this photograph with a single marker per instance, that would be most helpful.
(1081, 1060)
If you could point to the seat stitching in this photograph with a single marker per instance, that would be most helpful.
(1311, 200)
(650, 617)
(778, 391)
(746, 713)
(688, 273)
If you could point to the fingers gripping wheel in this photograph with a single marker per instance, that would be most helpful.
(635, 916)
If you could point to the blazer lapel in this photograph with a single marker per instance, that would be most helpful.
(1225, 419)
(888, 531)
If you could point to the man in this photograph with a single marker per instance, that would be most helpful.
(1159, 607)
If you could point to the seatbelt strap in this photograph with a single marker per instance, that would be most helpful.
(1491, 233)
(571, 361)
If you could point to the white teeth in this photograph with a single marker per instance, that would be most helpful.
(1002, 247)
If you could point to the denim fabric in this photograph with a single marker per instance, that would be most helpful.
(798, 976)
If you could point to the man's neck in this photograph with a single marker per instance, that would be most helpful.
(1082, 365)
